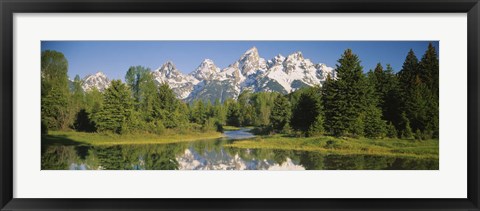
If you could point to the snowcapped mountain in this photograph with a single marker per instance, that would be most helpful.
(181, 84)
(250, 72)
(98, 80)
(207, 70)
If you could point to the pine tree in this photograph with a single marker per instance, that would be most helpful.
(246, 108)
(233, 113)
(167, 108)
(391, 131)
(55, 105)
(386, 92)
(409, 72)
(347, 97)
(116, 113)
(374, 125)
(429, 69)
(316, 128)
(406, 132)
(307, 110)
(281, 112)
(135, 76)
(219, 112)
(198, 112)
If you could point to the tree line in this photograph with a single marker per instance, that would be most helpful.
(376, 104)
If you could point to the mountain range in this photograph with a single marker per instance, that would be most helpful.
(249, 72)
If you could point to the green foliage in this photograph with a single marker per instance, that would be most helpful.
(353, 104)
(169, 109)
(420, 92)
(316, 129)
(346, 98)
(307, 109)
(83, 122)
(374, 125)
(55, 105)
(281, 113)
(117, 109)
(233, 113)
(246, 108)
(391, 130)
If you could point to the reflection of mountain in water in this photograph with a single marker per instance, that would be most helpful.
(214, 155)
(192, 160)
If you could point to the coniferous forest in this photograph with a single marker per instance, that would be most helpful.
(358, 119)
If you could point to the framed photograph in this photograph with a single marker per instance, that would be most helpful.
(215, 105)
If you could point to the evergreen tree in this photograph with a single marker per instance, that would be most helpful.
(317, 127)
(55, 108)
(246, 108)
(233, 113)
(93, 104)
(374, 125)
(307, 110)
(391, 131)
(408, 74)
(281, 112)
(167, 109)
(117, 109)
(219, 112)
(347, 97)
(429, 70)
(198, 112)
(386, 92)
(135, 76)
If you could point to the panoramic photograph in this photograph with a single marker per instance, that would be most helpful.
(239, 105)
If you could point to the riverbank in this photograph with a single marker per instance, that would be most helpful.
(81, 138)
(345, 146)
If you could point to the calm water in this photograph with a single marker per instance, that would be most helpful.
(213, 155)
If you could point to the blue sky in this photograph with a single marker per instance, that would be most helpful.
(115, 57)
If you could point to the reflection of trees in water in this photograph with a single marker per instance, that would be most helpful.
(125, 157)
(163, 157)
(417, 164)
(58, 157)
(312, 160)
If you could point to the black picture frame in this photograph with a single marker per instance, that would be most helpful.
(10, 7)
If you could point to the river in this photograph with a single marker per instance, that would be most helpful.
(213, 155)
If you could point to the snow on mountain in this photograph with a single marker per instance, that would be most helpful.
(193, 160)
(249, 72)
(180, 83)
(206, 71)
(98, 80)
(293, 72)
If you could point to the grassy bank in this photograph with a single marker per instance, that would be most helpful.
(81, 138)
(345, 146)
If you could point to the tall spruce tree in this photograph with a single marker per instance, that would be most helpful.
(306, 111)
(117, 110)
(387, 92)
(281, 112)
(168, 108)
(429, 69)
(347, 97)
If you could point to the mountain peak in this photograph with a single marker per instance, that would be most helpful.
(252, 50)
(98, 80)
(250, 61)
(206, 70)
(169, 65)
(168, 68)
(297, 55)
(100, 74)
